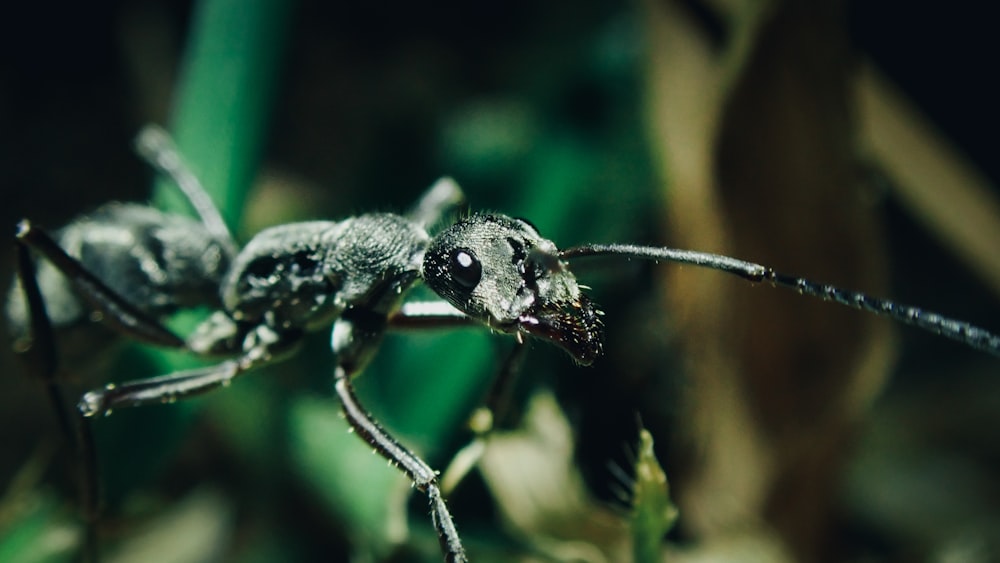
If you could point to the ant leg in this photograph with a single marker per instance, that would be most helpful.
(266, 348)
(425, 315)
(164, 389)
(423, 477)
(121, 315)
(41, 359)
(354, 338)
(483, 420)
(157, 148)
(497, 400)
(422, 315)
(90, 490)
(437, 201)
(40, 355)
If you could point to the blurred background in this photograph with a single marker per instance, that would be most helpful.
(848, 142)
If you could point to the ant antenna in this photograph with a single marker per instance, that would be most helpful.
(950, 328)
(157, 148)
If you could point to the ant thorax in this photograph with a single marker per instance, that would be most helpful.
(304, 275)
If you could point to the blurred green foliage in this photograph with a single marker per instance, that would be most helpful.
(653, 513)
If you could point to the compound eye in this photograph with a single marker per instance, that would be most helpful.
(466, 268)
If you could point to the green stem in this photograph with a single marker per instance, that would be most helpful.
(224, 97)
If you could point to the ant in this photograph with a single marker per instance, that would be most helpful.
(133, 265)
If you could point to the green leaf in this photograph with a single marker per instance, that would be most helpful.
(224, 97)
(653, 513)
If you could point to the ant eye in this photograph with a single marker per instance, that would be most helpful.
(466, 268)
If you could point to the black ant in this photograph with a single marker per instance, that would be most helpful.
(134, 265)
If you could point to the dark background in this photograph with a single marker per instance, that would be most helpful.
(364, 106)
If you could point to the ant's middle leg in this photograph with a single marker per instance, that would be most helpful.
(264, 346)
(41, 357)
(157, 390)
(41, 360)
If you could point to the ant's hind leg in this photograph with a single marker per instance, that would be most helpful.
(39, 352)
(41, 361)
(41, 356)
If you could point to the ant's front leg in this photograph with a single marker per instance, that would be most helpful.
(354, 339)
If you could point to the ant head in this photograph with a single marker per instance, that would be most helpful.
(500, 271)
